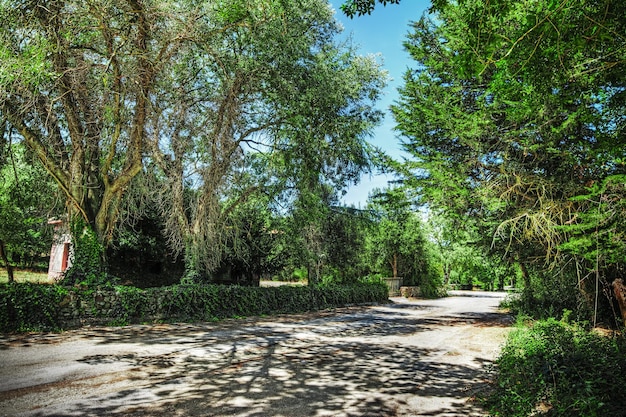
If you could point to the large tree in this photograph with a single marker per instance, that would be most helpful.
(180, 90)
(270, 101)
(513, 111)
(75, 81)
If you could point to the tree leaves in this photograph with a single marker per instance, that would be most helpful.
(512, 112)
(353, 8)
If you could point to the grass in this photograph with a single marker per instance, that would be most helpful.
(24, 276)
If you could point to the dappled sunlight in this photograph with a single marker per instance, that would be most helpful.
(363, 361)
(329, 378)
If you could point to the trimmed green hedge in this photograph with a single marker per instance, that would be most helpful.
(36, 307)
(29, 307)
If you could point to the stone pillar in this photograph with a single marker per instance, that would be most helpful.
(61, 251)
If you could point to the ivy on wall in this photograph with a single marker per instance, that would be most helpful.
(36, 307)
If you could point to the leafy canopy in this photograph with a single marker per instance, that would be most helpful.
(514, 110)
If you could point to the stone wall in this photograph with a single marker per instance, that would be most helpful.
(106, 307)
(410, 292)
(394, 285)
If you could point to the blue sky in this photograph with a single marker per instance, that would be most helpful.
(383, 32)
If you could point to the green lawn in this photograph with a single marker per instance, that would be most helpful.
(25, 276)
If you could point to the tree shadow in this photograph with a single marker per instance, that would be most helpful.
(292, 378)
(337, 363)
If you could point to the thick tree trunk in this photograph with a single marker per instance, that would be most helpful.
(5, 259)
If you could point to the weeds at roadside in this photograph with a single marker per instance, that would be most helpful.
(557, 368)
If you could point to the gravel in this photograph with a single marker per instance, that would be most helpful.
(406, 358)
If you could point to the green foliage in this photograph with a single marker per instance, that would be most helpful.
(299, 274)
(27, 197)
(87, 259)
(323, 237)
(353, 8)
(397, 244)
(25, 307)
(597, 234)
(547, 302)
(139, 255)
(215, 81)
(345, 232)
(550, 294)
(562, 369)
(302, 105)
(513, 115)
(132, 302)
(30, 307)
(254, 244)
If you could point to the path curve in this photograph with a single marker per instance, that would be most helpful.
(409, 358)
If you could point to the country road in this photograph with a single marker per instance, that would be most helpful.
(408, 358)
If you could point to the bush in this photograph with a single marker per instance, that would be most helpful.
(559, 369)
(548, 303)
(29, 307)
(25, 307)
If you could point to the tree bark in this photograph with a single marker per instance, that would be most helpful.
(3, 256)
(620, 295)
(394, 265)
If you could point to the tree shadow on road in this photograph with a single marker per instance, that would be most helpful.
(330, 364)
(290, 378)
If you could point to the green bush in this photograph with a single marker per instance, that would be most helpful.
(549, 302)
(29, 307)
(25, 307)
(88, 258)
(559, 369)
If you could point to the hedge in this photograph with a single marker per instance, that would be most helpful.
(37, 307)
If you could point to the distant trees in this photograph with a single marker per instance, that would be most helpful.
(398, 243)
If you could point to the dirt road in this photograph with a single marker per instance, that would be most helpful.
(410, 358)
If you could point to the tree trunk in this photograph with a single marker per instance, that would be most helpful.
(620, 294)
(526, 278)
(311, 275)
(3, 256)
(394, 265)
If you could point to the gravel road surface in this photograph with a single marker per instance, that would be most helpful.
(408, 358)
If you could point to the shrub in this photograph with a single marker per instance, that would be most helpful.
(29, 307)
(559, 369)
(548, 303)
(26, 307)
